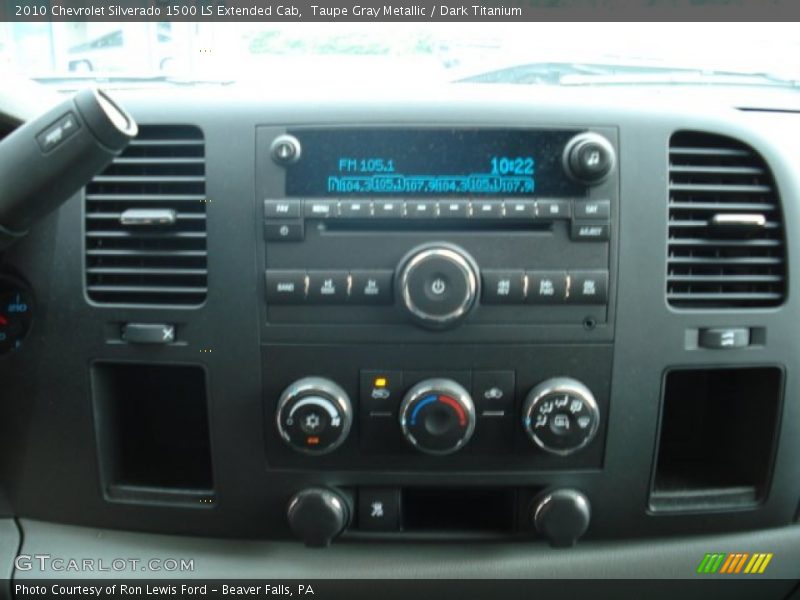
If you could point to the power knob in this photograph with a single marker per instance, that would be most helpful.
(589, 158)
(437, 416)
(438, 284)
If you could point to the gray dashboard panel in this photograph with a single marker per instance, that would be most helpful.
(649, 562)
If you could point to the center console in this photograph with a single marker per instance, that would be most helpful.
(402, 265)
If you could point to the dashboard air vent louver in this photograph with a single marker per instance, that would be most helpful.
(146, 221)
(726, 243)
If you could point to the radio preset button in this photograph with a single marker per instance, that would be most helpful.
(355, 209)
(282, 209)
(327, 287)
(553, 209)
(520, 209)
(371, 287)
(388, 209)
(283, 231)
(592, 209)
(454, 209)
(590, 231)
(547, 287)
(503, 287)
(588, 287)
(487, 209)
(286, 287)
(422, 210)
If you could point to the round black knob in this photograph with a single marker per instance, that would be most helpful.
(317, 515)
(285, 150)
(438, 284)
(589, 158)
(562, 516)
(560, 415)
(314, 415)
(437, 416)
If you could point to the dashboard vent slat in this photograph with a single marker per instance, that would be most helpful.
(151, 264)
(726, 245)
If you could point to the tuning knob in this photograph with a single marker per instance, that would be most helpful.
(560, 415)
(314, 415)
(562, 516)
(589, 158)
(317, 515)
(437, 416)
(438, 284)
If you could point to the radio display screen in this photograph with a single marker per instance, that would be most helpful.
(430, 162)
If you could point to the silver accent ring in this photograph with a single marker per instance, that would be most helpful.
(461, 262)
(558, 385)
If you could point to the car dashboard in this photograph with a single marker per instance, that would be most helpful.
(558, 324)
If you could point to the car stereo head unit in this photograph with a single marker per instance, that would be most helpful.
(437, 226)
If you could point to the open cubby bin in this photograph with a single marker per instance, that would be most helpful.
(717, 438)
(153, 432)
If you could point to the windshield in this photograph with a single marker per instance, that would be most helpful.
(348, 54)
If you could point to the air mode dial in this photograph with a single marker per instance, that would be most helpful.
(560, 415)
(437, 416)
(314, 415)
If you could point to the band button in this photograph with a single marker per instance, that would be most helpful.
(285, 287)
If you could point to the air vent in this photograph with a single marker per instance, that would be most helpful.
(146, 221)
(726, 243)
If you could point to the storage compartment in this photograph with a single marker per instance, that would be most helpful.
(153, 434)
(458, 510)
(717, 440)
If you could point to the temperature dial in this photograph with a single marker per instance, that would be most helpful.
(314, 415)
(560, 415)
(16, 312)
(437, 416)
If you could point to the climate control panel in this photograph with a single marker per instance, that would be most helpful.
(546, 409)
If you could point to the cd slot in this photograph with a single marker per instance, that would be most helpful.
(433, 225)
